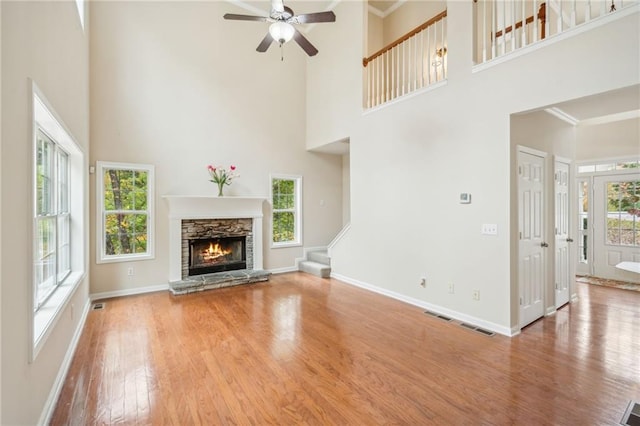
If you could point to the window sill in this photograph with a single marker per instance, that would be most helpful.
(286, 245)
(46, 317)
(127, 258)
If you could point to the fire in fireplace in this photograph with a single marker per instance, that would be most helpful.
(217, 254)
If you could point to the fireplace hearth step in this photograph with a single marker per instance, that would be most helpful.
(218, 280)
(318, 263)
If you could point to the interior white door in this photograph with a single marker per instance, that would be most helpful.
(531, 258)
(616, 225)
(562, 238)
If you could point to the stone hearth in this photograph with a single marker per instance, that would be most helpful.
(191, 216)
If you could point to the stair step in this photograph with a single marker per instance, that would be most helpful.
(319, 256)
(315, 268)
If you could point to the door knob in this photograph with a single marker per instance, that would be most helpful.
(569, 240)
(544, 245)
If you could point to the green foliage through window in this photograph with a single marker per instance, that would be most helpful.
(126, 214)
(623, 213)
(284, 193)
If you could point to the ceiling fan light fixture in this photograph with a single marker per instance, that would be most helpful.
(281, 31)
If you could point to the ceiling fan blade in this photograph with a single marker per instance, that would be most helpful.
(304, 43)
(277, 6)
(311, 18)
(265, 43)
(235, 17)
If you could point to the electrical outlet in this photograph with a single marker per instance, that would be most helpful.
(489, 229)
(476, 294)
(130, 272)
(423, 282)
(450, 288)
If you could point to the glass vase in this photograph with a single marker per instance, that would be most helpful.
(220, 187)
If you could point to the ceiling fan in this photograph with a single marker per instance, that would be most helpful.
(282, 27)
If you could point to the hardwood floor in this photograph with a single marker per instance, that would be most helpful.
(305, 350)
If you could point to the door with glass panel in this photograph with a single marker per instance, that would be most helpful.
(616, 225)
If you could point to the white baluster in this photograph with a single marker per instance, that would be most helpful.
(513, 25)
(421, 33)
(523, 29)
(494, 10)
(504, 28)
(573, 14)
(587, 11)
(560, 17)
(535, 21)
(484, 31)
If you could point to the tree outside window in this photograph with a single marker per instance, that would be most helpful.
(126, 214)
(285, 198)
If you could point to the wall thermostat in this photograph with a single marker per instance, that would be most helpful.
(465, 198)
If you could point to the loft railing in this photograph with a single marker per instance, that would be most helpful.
(413, 61)
(504, 26)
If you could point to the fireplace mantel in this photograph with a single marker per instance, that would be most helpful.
(205, 207)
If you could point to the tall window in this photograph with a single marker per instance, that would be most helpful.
(286, 197)
(125, 213)
(52, 254)
(623, 213)
(583, 221)
(59, 219)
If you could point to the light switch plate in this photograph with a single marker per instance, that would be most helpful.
(465, 198)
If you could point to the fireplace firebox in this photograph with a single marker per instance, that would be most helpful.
(218, 254)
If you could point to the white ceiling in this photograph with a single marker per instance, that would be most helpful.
(616, 105)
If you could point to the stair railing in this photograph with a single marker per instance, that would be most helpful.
(504, 26)
(413, 61)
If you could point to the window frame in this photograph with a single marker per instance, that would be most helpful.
(56, 210)
(101, 255)
(297, 210)
(44, 315)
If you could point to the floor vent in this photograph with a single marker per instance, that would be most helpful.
(97, 306)
(478, 329)
(632, 415)
(442, 317)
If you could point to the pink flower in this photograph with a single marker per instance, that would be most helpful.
(233, 168)
(211, 168)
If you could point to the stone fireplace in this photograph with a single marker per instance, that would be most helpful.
(216, 245)
(214, 242)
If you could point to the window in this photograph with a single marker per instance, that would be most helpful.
(80, 6)
(125, 211)
(52, 254)
(583, 221)
(286, 196)
(623, 213)
(59, 218)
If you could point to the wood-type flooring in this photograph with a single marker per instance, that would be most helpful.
(305, 350)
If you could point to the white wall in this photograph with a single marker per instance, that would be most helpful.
(612, 140)
(177, 86)
(42, 41)
(408, 16)
(334, 76)
(412, 159)
(375, 32)
(346, 189)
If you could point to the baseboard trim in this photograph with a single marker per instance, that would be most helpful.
(496, 328)
(50, 404)
(128, 292)
(284, 270)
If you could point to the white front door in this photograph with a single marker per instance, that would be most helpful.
(531, 259)
(562, 270)
(616, 225)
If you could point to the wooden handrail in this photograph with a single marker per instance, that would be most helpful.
(405, 37)
(542, 16)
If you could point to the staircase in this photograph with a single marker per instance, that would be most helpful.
(317, 263)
